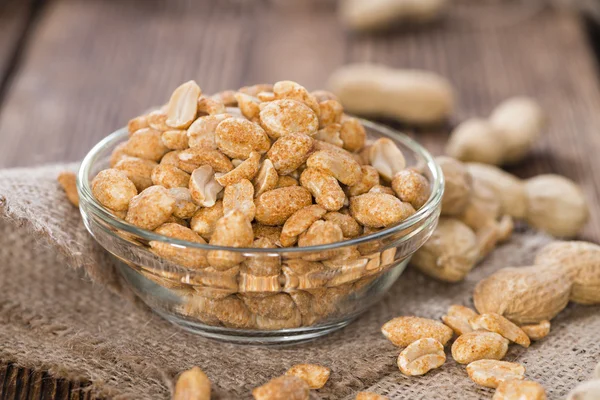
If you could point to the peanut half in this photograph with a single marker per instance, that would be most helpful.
(490, 373)
(315, 375)
(402, 331)
(421, 356)
(192, 384)
(479, 345)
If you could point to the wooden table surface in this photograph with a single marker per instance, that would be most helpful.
(72, 71)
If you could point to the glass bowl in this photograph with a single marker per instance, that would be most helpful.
(268, 295)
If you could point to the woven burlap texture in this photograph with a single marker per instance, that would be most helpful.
(84, 325)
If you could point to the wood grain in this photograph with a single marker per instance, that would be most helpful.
(91, 65)
(13, 21)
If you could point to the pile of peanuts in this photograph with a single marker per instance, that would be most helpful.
(267, 166)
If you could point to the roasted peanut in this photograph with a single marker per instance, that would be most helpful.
(330, 134)
(293, 91)
(319, 233)
(188, 257)
(276, 306)
(537, 331)
(479, 345)
(210, 106)
(146, 143)
(282, 117)
(386, 158)
(315, 375)
(68, 181)
(276, 206)
(266, 179)
(421, 356)
(458, 185)
(285, 181)
(411, 187)
(458, 317)
(202, 132)
(247, 169)
(382, 189)
(240, 196)
(350, 228)
(232, 230)
(412, 96)
(370, 396)
(369, 179)
(192, 384)
(139, 171)
(249, 105)
(490, 373)
(254, 90)
(353, 134)
(497, 323)
(476, 140)
(203, 186)
(196, 157)
(266, 96)
(151, 208)
(289, 152)
(170, 176)
(157, 120)
(402, 331)
(118, 154)
(137, 123)
(339, 164)
(171, 158)
(330, 112)
(113, 189)
(283, 388)
(322, 95)
(324, 187)
(204, 220)
(227, 97)
(183, 105)
(378, 210)
(520, 390)
(299, 222)
(237, 138)
(175, 139)
(265, 231)
(185, 208)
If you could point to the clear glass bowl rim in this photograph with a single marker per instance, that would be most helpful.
(437, 191)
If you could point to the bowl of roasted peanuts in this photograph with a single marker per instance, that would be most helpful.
(262, 215)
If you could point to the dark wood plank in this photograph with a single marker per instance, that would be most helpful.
(35, 385)
(3, 370)
(13, 20)
(11, 387)
(23, 380)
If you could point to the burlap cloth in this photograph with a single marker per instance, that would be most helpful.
(78, 324)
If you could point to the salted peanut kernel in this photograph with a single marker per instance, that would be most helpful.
(330, 134)
(315, 375)
(322, 95)
(240, 196)
(254, 90)
(187, 257)
(139, 171)
(324, 187)
(237, 138)
(68, 181)
(378, 210)
(299, 222)
(293, 91)
(276, 306)
(118, 154)
(195, 157)
(321, 232)
(479, 345)
(353, 134)
(282, 117)
(276, 206)
(146, 143)
(386, 157)
(202, 131)
(330, 112)
(402, 331)
(271, 233)
(421, 356)
(289, 152)
(285, 181)
(338, 164)
(151, 208)
(170, 176)
(283, 388)
(175, 139)
(203, 186)
(249, 105)
(519, 390)
(137, 123)
(537, 331)
(185, 208)
(457, 318)
(260, 265)
(266, 96)
(350, 228)
(157, 120)
(370, 396)
(113, 189)
(232, 230)
(192, 384)
(497, 323)
(247, 169)
(183, 105)
(411, 187)
(369, 179)
(382, 189)
(266, 179)
(490, 373)
(171, 158)
(271, 324)
(205, 219)
(210, 106)
(227, 97)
